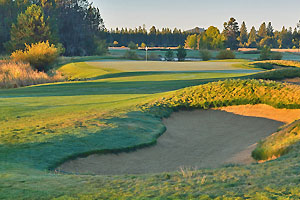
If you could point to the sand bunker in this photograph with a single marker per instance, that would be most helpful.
(194, 139)
(264, 111)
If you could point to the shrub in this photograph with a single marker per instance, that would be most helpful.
(14, 74)
(143, 45)
(267, 54)
(153, 56)
(205, 55)
(132, 46)
(181, 53)
(131, 55)
(276, 56)
(226, 54)
(60, 48)
(169, 55)
(252, 52)
(102, 48)
(40, 55)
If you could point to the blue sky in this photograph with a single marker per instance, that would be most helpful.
(203, 13)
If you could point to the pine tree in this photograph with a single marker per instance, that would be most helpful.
(31, 27)
(270, 30)
(153, 30)
(231, 32)
(252, 38)
(243, 34)
(262, 32)
(9, 11)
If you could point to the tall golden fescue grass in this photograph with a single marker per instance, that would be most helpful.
(14, 74)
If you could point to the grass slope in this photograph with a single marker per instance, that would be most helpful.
(43, 125)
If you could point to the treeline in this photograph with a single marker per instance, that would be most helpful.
(75, 26)
(152, 38)
(235, 37)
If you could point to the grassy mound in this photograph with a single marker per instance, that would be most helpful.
(279, 143)
(83, 71)
(238, 92)
(282, 63)
(278, 74)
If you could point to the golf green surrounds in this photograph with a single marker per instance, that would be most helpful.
(44, 125)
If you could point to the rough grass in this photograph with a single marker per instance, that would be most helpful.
(15, 74)
(41, 126)
(239, 92)
(283, 63)
(278, 74)
(279, 143)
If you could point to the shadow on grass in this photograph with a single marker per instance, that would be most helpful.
(137, 129)
(144, 73)
(102, 88)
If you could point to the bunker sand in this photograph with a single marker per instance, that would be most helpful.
(194, 139)
(264, 111)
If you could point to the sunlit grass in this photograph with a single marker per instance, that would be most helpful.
(284, 63)
(238, 92)
(82, 70)
(42, 126)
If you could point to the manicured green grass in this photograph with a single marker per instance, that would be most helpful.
(42, 126)
(82, 70)
(105, 69)
(196, 54)
(169, 66)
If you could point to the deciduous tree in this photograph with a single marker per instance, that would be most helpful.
(192, 41)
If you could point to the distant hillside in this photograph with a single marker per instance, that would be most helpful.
(196, 30)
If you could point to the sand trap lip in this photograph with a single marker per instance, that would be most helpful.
(264, 111)
(195, 139)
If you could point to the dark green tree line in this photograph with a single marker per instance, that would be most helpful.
(76, 24)
(153, 37)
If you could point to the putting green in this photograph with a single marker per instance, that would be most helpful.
(137, 66)
(84, 70)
